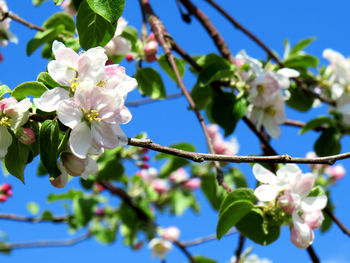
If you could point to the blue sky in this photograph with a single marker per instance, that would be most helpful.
(170, 122)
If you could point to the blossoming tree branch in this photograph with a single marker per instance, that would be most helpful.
(72, 115)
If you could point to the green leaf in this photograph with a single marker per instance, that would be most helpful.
(70, 195)
(130, 33)
(38, 2)
(43, 37)
(238, 178)
(47, 80)
(47, 215)
(4, 89)
(317, 191)
(93, 30)
(211, 72)
(58, 2)
(83, 209)
(150, 83)
(211, 58)
(33, 208)
(29, 88)
(110, 10)
(258, 227)
(226, 110)
(180, 201)
(239, 194)
(110, 170)
(315, 123)
(212, 191)
(164, 64)
(61, 19)
(299, 99)
(103, 234)
(231, 216)
(201, 259)
(301, 45)
(328, 143)
(301, 61)
(48, 145)
(16, 158)
(172, 165)
(201, 96)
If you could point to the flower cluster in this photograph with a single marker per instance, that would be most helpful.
(90, 101)
(267, 93)
(220, 145)
(290, 190)
(151, 48)
(5, 192)
(161, 246)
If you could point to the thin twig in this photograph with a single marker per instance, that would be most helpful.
(336, 220)
(149, 100)
(185, 251)
(201, 157)
(57, 219)
(202, 240)
(45, 243)
(300, 124)
(209, 27)
(159, 31)
(313, 255)
(4, 15)
(240, 247)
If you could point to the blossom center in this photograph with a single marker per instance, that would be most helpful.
(75, 83)
(260, 89)
(91, 115)
(5, 121)
(271, 111)
(102, 84)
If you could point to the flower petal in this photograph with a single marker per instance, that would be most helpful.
(61, 73)
(50, 99)
(266, 192)
(69, 114)
(5, 141)
(80, 140)
(313, 203)
(263, 175)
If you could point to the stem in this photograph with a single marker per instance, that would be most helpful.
(336, 220)
(205, 239)
(4, 15)
(240, 247)
(58, 219)
(149, 100)
(313, 255)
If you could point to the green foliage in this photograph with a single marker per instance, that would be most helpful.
(301, 62)
(201, 96)
(150, 83)
(83, 209)
(33, 208)
(43, 37)
(182, 200)
(38, 2)
(301, 45)
(89, 25)
(299, 99)
(49, 144)
(130, 33)
(259, 227)
(4, 89)
(105, 234)
(212, 191)
(61, 19)
(47, 80)
(226, 110)
(328, 143)
(234, 207)
(29, 88)
(110, 10)
(214, 71)
(164, 64)
(16, 158)
(201, 259)
(316, 123)
(70, 195)
(58, 2)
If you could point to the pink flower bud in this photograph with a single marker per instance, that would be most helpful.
(178, 176)
(129, 57)
(171, 233)
(6, 101)
(313, 219)
(60, 181)
(73, 165)
(239, 62)
(145, 166)
(3, 198)
(99, 187)
(336, 172)
(159, 185)
(301, 238)
(5, 188)
(287, 202)
(99, 211)
(151, 48)
(192, 184)
(213, 130)
(219, 145)
(146, 158)
(151, 58)
(1, 57)
(151, 37)
(9, 193)
(26, 136)
(109, 62)
(137, 246)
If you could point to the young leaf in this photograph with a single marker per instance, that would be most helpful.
(61, 19)
(163, 63)
(150, 83)
(42, 38)
(4, 89)
(110, 10)
(212, 191)
(93, 29)
(47, 80)
(328, 143)
(315, 123)
(29, 88)
(301, 45)
(299, 99)
(84, 208)
(33, 208)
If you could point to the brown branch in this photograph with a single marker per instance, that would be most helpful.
(202, 240)
(312, 254)
(201, 157)
(149, 100)
(4, 15)
(336, 220)
(240, 247)
(45, 243)
(210, 28)
(159, 31)
(300, 124)
(184, 55)
(185, 251)
(58, 219)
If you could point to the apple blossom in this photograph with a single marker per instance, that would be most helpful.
(250, 259)
(68, 7)
(5, 34)
(171, 233)
(160, 247)
(76, 166)
(336, 172)
(192, 184)
(26, 136)
(5, 188)
(159, 185)
(301, 234)
(313, 219)
(118, 45)
(3, 198)
(178, 176)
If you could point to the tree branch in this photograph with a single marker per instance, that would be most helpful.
(313, 255)
(185, 251)
(36, 244)
(240, 247)
(4, 15)
(58, 219)
(202, 240)
(149, 100)
(336, 220)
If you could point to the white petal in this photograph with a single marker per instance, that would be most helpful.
(124, 116)
(313, 203)
(67, 57)
(97, 56)
(303, 183)
(91, 168)
(263, 175)
(108, 135)
(5, 141)
(50, 99)
(61, 73)
(288, 72)
(80, 140)
(266, 192)
(287, 174)
(68, 113)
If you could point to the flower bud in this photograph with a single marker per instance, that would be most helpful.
(99, 187)
(151, 37)
(1, 57)
(213, 130)
(26, 136)
(301, 239)
(145, 166)
(60, 181)
(287, 202)
(192, 184)
(137, 246)
(73, 165)
(9, 193)
(178, 176)
(151, 58)
(336, 172)
(4, 102)
(171, 233)
(5, 188)
(145, 158)
(159, 185)
(151, 48)
(313, 219)
(3, 198)
(99, 211)
(129, 57)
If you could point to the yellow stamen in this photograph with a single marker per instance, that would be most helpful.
(102, 84)
(5, 121)
(260, 89)
(92, 115)
(271, 111)
(75, 83)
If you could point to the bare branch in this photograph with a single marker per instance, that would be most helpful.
(4, 15)
(149, 100)
(185, 251)
(45, 243)
(240, 247)
(57, 219)
(202, 240)
(313, 255)
(336, 220)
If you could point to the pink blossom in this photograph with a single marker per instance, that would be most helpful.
(5, 187)
(159, 185)
(26, 136)
(178, 176)
(192, 183)
(336, 172)
(151, 48)
(213, 130)
(286, 202)
(313, 219)
(171, 233)
(3, 198)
